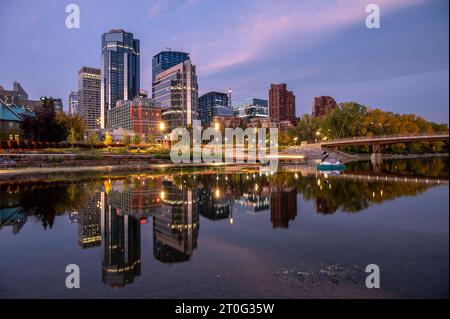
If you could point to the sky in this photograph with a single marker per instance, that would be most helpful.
(316, 47)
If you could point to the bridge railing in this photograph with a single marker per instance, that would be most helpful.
(387, 136)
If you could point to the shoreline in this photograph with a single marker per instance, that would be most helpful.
(87, 171)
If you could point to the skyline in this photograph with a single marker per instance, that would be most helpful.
(244, 49)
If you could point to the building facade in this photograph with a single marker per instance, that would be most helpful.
(213, 104)
(281, 103)
(120, 70)
(165, 60)
(58, 104)
(322, 105)
(9, 123)
(89, 83)
(223, 122)
(252, 108)
(73, 102)
(265, 122)
(17, 96)
(176, 91)
(140, 116)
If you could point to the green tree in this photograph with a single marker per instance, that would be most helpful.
(67, 123)
(306, 128)
(92, 139)
(126, 140)
(137, 139)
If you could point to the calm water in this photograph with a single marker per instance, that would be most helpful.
(295, 234)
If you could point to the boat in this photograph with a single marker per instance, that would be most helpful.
(327, 166)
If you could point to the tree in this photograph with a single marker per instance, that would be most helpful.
(72, 138)
(42, 125)
(137, 139)
(151, 139)
(48, 125)
(92, 139)
(108, 139)
(306, 128)
(127, 140)
(69, 122)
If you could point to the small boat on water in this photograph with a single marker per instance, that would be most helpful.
(327, 166)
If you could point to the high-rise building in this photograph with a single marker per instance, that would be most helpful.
(89, 82)
(140, 116)
(322, 105)
(176, 91)
(165, 60)
(252, 108)
(73, 102)
(213, 104)
(281, 103)
(120, 70)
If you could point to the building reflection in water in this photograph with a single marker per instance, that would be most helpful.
(324, 206)
(89, 222)
(111, 216)
(283, 206)
(175, 228)
(121, 241)
(215, 204)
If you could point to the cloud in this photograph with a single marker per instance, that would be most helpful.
(160, 7)
(263, 30)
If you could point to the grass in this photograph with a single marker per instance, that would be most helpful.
(88, 156)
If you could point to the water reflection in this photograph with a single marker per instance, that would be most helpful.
(109, 213)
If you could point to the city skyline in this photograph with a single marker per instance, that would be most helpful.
(395, 79)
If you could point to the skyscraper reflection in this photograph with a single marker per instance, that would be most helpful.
(121, 244)
(89, 223)
(175, 229)
(283, 206)
(214, 205)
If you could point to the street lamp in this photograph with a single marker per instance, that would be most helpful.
(217, 126)
(162, 126)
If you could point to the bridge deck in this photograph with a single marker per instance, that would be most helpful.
(386, 140)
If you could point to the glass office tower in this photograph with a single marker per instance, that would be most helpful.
(252, 108)
(165, 60)
(213, 104)
(176, 91)
(120, 69)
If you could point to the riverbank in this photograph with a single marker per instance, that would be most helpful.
(40, 173)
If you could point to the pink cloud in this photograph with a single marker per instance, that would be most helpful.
(263, 31)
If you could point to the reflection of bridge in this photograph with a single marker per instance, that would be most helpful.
(394, 178)
(377, 142)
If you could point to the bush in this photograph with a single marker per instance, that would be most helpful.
(56, 159)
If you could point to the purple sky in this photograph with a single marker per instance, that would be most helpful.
(317, 47)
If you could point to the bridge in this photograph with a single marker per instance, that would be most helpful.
(377, 142)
